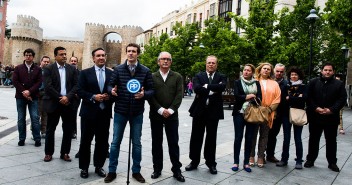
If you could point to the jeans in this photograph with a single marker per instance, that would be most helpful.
(298, 142)
(120, 121)
(274, 131)
(239, 124)
(33, 112)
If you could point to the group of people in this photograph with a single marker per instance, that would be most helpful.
(6, 74)
(58, 88)
(323, 98)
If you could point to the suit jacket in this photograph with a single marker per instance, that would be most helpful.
(87, 87)
(52, 86)
(215, 106)
(167, 94)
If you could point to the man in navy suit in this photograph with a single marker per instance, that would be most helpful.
(96, 112)
(60, 86)
(206, 110)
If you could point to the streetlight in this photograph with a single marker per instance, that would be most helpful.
(311, 18)
(345, 49)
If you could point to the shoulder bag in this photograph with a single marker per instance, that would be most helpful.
(256, 114)
(298, 116)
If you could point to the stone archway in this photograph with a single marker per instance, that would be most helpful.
(94, 38)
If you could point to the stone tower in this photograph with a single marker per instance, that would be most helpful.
(95, 36)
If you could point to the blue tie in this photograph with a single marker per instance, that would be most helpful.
(101, 86)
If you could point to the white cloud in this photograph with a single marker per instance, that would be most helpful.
(67, 18)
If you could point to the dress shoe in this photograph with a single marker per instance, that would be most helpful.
(138, 177)
(334, 167)
(110, 177)
(21, 143)
(100, 171)
(155, 174)
(179, 177)
(190, 167)
(65, 157)
(48, 158)
(281, 164)
(37, 143)
(212, 170)
(272, 159)
(308, 164)
(84, 174)
(77, 155)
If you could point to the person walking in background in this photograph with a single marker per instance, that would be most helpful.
(164, 106)
(60, 84)
(341, 130)
(326, 97)
(246, 89)
(190, 88)
(44, 61)
(297, 99)
(281, 118)
(74, 62)
(270, 98)
(95, 113)
(129, 107)
(27, 78)
(206, 110)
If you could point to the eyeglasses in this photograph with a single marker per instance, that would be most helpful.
(168, 59)
(28, 55)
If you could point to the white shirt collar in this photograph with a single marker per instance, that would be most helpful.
(97, 68)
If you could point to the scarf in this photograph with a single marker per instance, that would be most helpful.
(249, 87)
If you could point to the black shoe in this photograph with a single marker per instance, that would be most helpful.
(77, 155)
(138, 177)
(37, 143)
(334, 167)
(84, 174)
(21, 143)
(179, 177)
(155, 174)
(110, 177)
(213, 170)
(100, 171)
(308, 164)
(281, 164)
(190, 167)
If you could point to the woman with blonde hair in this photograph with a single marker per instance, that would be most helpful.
(270, 98)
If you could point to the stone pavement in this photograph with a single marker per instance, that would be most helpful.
(25, 165)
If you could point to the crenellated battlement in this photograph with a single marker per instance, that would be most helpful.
(28, 27)
(27, 19)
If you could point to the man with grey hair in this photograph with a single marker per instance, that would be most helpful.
(282, 117)
(164, 104)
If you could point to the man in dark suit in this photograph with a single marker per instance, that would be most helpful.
(96, 112)
(206, 110)
(164, 106)
(60, 84)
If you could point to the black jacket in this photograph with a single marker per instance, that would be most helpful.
(293, 92)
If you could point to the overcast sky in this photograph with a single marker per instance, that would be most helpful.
(67, 18)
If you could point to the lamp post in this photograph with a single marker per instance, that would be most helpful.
(345, 49)
(312, 17)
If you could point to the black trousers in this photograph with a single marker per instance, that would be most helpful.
(199, 126)
(171, 130)
(330, 133)
(98, 127)
(67, 116)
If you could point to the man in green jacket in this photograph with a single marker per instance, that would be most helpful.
(163, 113)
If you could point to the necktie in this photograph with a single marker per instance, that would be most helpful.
(101, 86)
(210, 78)
(132, 68)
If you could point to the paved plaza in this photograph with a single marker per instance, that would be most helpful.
(25, 165)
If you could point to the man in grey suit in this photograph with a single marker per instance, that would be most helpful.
(60, 85)
(168, 86)
(96, 112)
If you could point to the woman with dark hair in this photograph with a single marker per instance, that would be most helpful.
(245, 90)
(296, 99)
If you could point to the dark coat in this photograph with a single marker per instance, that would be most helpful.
(24, 80)
(325, 93)
(240, 95)
(293, 92)
(215, 105)
(87, 87)
(125, 103)
(283, 108)
(52, 87)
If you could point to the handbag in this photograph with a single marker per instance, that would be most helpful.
(257, 114)
(298, 116)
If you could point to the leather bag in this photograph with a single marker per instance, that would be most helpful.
(298, 116)
(256, 114)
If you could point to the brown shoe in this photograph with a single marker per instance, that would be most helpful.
(110, 177)
(48, 158)
(272, 159)
(138, 177)
(65, 157)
